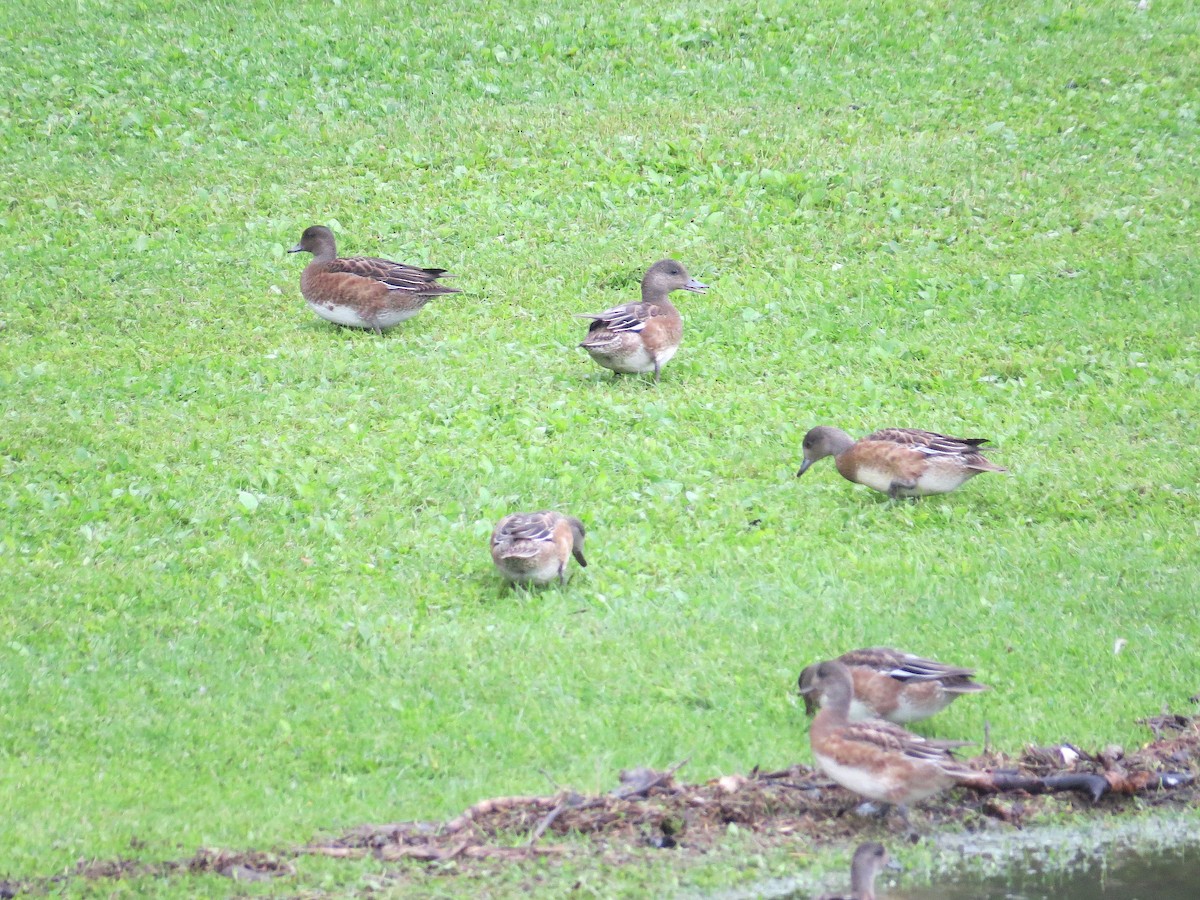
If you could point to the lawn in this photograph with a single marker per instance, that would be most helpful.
(245, 589)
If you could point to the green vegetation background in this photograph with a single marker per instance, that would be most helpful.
(245, 595)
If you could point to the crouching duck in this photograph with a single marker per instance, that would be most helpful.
(532, 548)
(894, 685)
(874, 758)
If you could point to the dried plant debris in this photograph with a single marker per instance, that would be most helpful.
(650, 808)
(251, 865)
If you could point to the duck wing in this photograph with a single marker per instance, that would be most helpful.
(393, 275)
(927, 441)
(629, 317)
(535, 527)
(894, 739)
(904, 667)
(961, 451)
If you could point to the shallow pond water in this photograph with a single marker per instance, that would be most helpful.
(1138, 858)
(1172, 874)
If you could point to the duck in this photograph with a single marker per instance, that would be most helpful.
(641, 337)
(873, 758)
(899, 462)
(532, 548)
(362, 291)
(869, 860)
(896, 686)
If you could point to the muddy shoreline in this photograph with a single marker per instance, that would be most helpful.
(658, 809)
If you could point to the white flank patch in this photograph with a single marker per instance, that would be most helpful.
(634, 364)
(936, 480)
(666, 355)
(940, 480)
(875, 788)
(390, 317)
(859, 711)
(543, 574)
(344, 315)
(854, 779)
(874, 478)
(907, 711)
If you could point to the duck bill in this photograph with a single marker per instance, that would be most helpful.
(296, 249)
(810, 703)
(804, 467)
(696, 287)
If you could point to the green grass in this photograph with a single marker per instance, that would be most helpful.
(244, 581)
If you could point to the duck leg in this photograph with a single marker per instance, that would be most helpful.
(910, 831)
(881, 811)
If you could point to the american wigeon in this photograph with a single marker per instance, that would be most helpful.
(874, 758)
(900, 462)
(532, 548)
(361, 291)
(897, 686)
(869, 860)
(641, 337)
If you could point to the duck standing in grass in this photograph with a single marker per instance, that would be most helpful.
(894, 685)
(532, 548)
(869, 860)
(361, 291)
(899, 462)
(874, 758)
(641, 337)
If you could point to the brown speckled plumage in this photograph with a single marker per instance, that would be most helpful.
(900, 462)
(874, 758)
(641, 337)
(894, 685)
(363, 291)
(532, 548)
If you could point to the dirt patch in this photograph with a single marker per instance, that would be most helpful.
(252, 865)
(652, 809)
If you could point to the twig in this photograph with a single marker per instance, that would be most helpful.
(433, 854)
(569, 799)
(806, 787)
(789, 772)
(779, 773)
(335, 852)
(495, 804)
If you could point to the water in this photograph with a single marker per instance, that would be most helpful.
(1154, 858)
(1126, 875)
(1146, 858)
